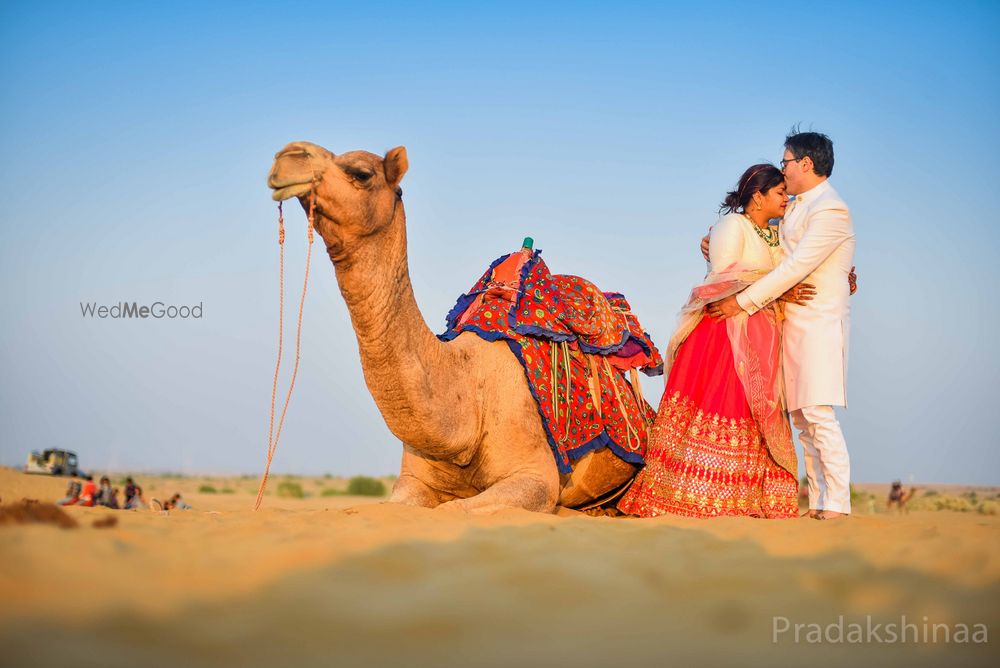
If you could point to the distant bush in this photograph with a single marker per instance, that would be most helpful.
(208, 489)
(966, 503)
(931, 492)
(860, 496)
(940, 502)
(290, 489)
(365, 486)
(331, 492)
(228, 490)
(988, 508)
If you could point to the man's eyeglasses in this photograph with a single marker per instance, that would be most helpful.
(785, 161)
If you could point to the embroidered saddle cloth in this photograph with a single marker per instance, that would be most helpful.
(580, 350)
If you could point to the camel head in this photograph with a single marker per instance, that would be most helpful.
(357, 194)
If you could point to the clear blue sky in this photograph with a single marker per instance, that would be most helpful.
(135, 139)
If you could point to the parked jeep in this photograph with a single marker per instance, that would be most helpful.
(53, 462)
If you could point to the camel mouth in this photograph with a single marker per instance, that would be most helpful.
(291, 190)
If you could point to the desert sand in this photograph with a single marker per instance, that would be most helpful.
(354, 581)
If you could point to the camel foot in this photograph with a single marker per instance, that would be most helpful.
(455, 507)
(410, 491)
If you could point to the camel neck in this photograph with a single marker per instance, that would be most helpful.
(402, 359)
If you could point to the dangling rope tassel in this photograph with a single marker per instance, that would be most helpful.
(272, 436)
(554, 380)
(640, 401)
(629, 430)
(595, 385)
(569, 387)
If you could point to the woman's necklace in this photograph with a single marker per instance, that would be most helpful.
(770, 237)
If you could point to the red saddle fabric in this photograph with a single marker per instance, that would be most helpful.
(576, 345)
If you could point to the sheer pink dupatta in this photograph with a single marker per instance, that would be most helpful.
(756, 344)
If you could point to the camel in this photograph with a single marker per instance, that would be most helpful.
(472, 437)
(899, 497)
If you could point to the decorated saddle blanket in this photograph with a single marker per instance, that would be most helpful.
(580, 350)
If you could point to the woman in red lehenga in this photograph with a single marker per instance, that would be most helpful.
(721, 443)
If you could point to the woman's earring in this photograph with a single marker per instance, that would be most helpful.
(759, 207)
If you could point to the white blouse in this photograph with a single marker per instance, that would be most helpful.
(734, 240)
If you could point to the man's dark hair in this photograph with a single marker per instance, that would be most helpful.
(816, 145)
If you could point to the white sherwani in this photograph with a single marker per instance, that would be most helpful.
(818, 236)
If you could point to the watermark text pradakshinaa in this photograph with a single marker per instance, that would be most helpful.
(868, 631)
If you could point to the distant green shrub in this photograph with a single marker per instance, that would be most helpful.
(988, 508)
(290, 489)
(331, 492)
(931, 492)
(208, 489)
(860, 496)
(228, 490)
(940, 502)
(365, 486)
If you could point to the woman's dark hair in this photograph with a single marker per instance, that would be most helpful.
(816, 145)
(757, 179)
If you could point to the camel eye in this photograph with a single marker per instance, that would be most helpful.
(361, 175)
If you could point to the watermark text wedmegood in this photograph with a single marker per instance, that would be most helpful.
(156, 310)
(869, 631)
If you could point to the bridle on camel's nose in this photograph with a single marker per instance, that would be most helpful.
(272, 435)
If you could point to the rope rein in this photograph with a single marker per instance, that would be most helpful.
(272, 435)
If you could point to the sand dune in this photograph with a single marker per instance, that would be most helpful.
(348, 581)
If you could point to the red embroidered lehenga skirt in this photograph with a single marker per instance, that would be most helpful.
(707, 456)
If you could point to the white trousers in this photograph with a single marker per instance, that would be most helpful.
(828, 466)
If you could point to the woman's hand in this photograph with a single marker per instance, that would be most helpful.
(852, 280)
(704, 244)
(799, 294)
(725, 308)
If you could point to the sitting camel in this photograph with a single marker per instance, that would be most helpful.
(471, 432)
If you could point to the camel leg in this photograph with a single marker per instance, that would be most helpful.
(525, 490)
(411, 491)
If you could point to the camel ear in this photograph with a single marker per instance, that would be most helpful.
(395, 165)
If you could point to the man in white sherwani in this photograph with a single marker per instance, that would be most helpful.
(818, 235)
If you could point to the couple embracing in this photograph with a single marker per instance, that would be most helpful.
(764, 337)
